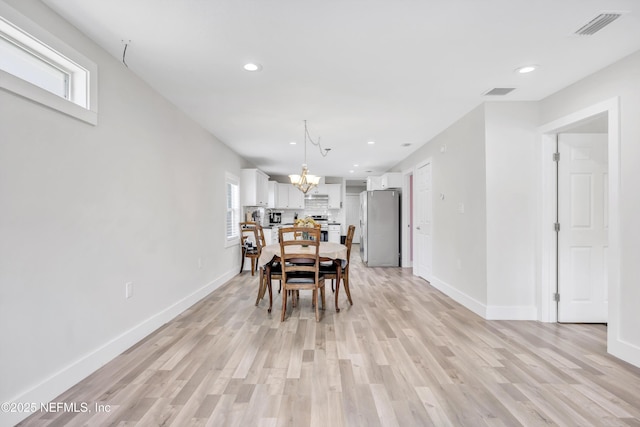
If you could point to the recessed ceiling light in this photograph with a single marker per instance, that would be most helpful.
(356, 165)
(293, 143)
(526, 69)
(371, 142)
(252, 67)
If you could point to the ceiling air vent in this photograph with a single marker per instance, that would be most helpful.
(597, 23)
(499, 91)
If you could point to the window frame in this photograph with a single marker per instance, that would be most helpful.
(232, 206)
(38, 42)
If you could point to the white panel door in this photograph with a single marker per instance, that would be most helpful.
(583, 236)
(422, 240)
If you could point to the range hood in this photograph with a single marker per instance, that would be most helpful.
(316, 203)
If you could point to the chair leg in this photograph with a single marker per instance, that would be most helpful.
(244, 252)
(254, 262)
(322, 295)
(261, 287)
(284, 305)
(345, 280)
(270, 294)
(315, 300)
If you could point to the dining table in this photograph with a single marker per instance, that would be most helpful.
(328, 252)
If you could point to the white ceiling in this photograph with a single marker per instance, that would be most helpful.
(393, 71)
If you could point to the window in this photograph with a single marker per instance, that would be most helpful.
(36, 65)
(232, 188)
(21, 62)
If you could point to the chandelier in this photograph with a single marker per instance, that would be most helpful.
(305, 181)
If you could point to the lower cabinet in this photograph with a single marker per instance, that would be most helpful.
(334, 233)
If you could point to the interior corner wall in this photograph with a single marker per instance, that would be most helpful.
(459, 208)
(85, 209)
(621, 80)
(511, 147)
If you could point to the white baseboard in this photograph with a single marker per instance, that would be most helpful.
(491, 312)
(507, 312)
(460, 297)
(623, 350)
(67, 377)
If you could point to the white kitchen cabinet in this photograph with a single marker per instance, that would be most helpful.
(374, 183)
(273, 194)
(391, 180)
(282, 199)
(289, 197)
(334, 191)
(255, 187)
(334, 233)
(296, 198)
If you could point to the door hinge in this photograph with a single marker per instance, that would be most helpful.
(556, 157)
(556, 227)
(556, 297)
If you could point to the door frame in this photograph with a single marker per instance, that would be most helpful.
(547, 263)
(407, 214)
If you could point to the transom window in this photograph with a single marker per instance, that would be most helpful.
(36, 65)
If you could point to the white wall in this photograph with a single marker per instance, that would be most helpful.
(85, 209)
(509, 283)
(458, 156)
(622, 80)
(511, 147)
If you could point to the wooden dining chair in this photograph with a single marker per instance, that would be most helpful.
(330, 270)
(251, 243)
(300, 261)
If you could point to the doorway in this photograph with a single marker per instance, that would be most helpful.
(423, 221)
(550, 260)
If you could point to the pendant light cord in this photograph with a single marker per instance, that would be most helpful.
(323, 151)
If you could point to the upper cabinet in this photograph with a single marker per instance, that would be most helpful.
(374, 183)
(335, 195)
(255, 187)
(273, 194)
(289, 197)
(384, 182)
(391, 180)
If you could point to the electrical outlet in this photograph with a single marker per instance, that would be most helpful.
(461, 207)
(128, 290)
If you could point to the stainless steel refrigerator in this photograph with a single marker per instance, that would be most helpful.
(380, 228)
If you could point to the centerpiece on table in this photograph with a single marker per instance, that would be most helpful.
(306, 222)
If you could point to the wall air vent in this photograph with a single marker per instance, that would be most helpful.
(499, 91)
(597, 23)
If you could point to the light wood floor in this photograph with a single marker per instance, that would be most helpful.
(403, 355)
